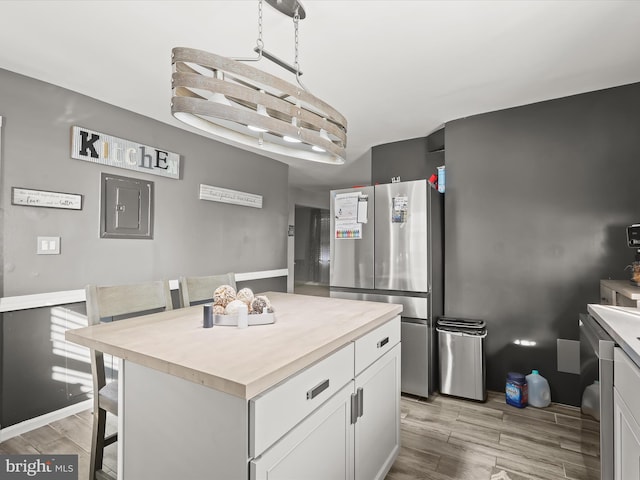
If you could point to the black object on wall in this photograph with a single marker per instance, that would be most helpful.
(537, 200)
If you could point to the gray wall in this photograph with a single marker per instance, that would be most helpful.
(1, 262)
(536, 204)
(191, 237)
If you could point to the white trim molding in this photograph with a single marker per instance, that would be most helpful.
(50, 299)
(243, 277)
(42, 420)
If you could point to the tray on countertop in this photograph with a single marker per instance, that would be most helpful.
(254, 319)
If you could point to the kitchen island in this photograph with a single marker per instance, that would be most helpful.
(315, 395)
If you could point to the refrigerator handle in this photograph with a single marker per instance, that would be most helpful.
(430, 249)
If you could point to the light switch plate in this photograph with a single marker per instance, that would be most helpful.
(48, 246)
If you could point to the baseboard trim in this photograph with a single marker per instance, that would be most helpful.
(42, 420)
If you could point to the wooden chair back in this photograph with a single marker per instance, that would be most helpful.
(114, 302)
(200, 289)
(117, 300)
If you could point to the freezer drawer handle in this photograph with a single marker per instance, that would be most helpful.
(318, 389)
(383, 342)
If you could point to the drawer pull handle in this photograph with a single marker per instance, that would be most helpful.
(318, 389)
(383, 342)
(354, 408)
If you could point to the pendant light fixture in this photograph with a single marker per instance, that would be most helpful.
(235, 101)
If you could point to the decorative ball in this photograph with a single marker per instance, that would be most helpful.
(223, 295)
(218, 310)
(235, 306)
(246, 295)
(261, 304)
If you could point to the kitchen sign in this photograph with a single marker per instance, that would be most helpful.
(224, 195)
(42, 198)
(105, 149)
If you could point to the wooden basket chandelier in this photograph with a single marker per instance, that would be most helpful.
(229, 99)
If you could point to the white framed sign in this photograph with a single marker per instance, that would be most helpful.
(43, 198)
(224, 195)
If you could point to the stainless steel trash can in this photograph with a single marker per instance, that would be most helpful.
(462, 358)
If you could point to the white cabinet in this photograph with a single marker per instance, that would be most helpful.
(319, 448)
(626, 426)
(276, 411)
(626, 441)
(351, 433)
(377, 430)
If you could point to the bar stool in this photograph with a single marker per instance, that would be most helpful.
(117, 303)
(194, 290)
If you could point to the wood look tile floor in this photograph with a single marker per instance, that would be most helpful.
(443, 438)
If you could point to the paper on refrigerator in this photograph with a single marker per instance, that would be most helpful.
(350, 212)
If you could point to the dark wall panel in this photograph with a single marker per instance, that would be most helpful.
(409, 160)
(41, 371)
(536, 204)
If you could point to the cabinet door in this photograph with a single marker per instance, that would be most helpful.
(319, 448)
(626, 441)
(377, 429)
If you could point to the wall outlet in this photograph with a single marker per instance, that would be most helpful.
(48, 246)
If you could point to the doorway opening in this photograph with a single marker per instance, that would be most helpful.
(311, 251)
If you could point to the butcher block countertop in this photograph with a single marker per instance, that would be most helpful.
(241, 362)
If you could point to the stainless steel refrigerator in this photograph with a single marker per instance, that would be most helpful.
(386, 246)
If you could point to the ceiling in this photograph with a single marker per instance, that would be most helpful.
(395, 69)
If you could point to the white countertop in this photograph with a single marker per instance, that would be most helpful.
(622, 324)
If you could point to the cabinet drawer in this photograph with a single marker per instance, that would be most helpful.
(318, 448)
(626, 375)
(276, 411)
(376, 343)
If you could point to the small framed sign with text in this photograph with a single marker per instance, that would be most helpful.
(42, 198)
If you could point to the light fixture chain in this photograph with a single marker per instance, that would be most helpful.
(260, 42)
(296, 64)
(296, 20)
